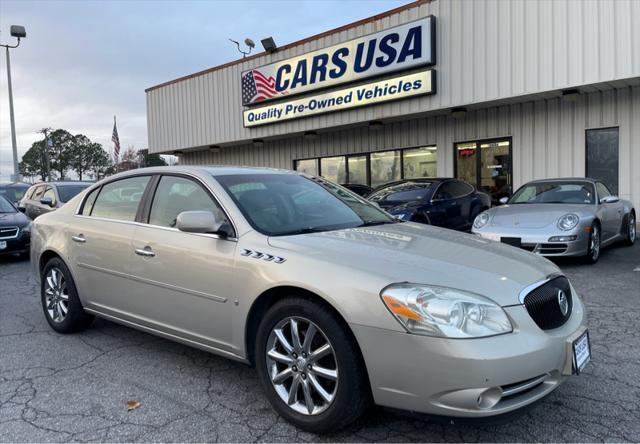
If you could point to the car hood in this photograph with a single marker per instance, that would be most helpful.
(408, 252)
(532, 215)
(13, 220)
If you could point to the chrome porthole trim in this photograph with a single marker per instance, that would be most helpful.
(56, 295)
(302, 365)
(264, 256)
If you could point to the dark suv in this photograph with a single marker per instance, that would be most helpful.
(45, 197)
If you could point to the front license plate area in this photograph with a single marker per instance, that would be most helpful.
(513, 241)
(581, 352)
(3, 245)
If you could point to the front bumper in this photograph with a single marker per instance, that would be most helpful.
(470, 377)
(537, 240)
(19, 245)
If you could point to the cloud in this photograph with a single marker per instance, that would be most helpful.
(84, 62)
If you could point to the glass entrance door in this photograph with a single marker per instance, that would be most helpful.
(487, 165)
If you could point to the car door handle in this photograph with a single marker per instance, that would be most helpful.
(146, 252)
(79, 239)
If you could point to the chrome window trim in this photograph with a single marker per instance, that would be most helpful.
(160, 227)
(162, 173)
(529, 288)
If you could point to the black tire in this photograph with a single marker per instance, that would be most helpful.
(351, 392)
(53, 299)
(630, 225)
(594, 246)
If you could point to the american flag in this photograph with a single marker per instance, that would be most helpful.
(256, 87)
(116, 140)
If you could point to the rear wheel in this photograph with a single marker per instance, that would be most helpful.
(310, 366)
(593, 248)
(60, 302)
(630, 239)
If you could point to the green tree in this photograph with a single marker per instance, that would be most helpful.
(150, 160)
(33, 162)
(86, 156)
(60, 152)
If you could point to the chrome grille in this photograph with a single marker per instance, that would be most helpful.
(543, 303)
(8, 232)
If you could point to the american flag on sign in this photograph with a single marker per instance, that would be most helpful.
(116, 140)
(256, 87)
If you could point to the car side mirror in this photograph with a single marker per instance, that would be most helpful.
(503, 200)
(46, 201)
(201, 222)
(609, 199)
(22, 209)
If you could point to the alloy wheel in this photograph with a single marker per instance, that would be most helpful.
(302, 365)
(56, 295)
(632, 228)
(595, 242)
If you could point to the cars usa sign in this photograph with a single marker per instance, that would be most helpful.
(399, 48)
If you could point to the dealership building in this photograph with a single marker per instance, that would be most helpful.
(494, 92)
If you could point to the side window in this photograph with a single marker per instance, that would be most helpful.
(177, 194)
(119, 200)
(459, 189)
(444, 192)
(50, 194)
(37, 195)
(603, 191)
(89, 202)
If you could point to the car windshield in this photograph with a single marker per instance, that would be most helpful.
(553, 192)
(287, 204)
(68, 192)
(13, 193)
(6, 206)
(404, 192)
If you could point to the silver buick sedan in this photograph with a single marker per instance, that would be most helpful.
(337, 304)
(560, 217)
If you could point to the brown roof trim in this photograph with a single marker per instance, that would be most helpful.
(413, 4)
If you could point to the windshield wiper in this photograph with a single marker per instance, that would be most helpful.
(307, 230)
(380, 222)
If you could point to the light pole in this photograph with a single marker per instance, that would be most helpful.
(18, 32)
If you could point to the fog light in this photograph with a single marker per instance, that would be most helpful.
(562, 238)
(489, 398)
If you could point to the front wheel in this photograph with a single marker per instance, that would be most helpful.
(310, 366)
(630, 239)
(593, 248)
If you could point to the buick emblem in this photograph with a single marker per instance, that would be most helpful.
(563, 302)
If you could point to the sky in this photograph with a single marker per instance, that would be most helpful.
(85, 61)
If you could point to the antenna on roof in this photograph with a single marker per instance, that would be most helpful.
(249, 44)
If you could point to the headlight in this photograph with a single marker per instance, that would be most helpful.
(445, 312)
(568, 221)
(481, 220)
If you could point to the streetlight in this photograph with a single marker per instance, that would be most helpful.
(18, 32)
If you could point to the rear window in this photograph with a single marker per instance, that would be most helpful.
(68, 192)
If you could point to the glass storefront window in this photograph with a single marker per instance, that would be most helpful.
(602, 156)
(385, 167)
(466, 162)
(357, 170)
(420, 162)
(334, 169)
(307, 166)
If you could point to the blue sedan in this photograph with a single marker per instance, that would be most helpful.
(444, 202)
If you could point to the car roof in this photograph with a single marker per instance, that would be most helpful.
(566, 179)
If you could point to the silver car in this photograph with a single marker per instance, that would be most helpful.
(560, 217)
(337, 304)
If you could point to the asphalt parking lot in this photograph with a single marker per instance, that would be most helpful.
(75, 387)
